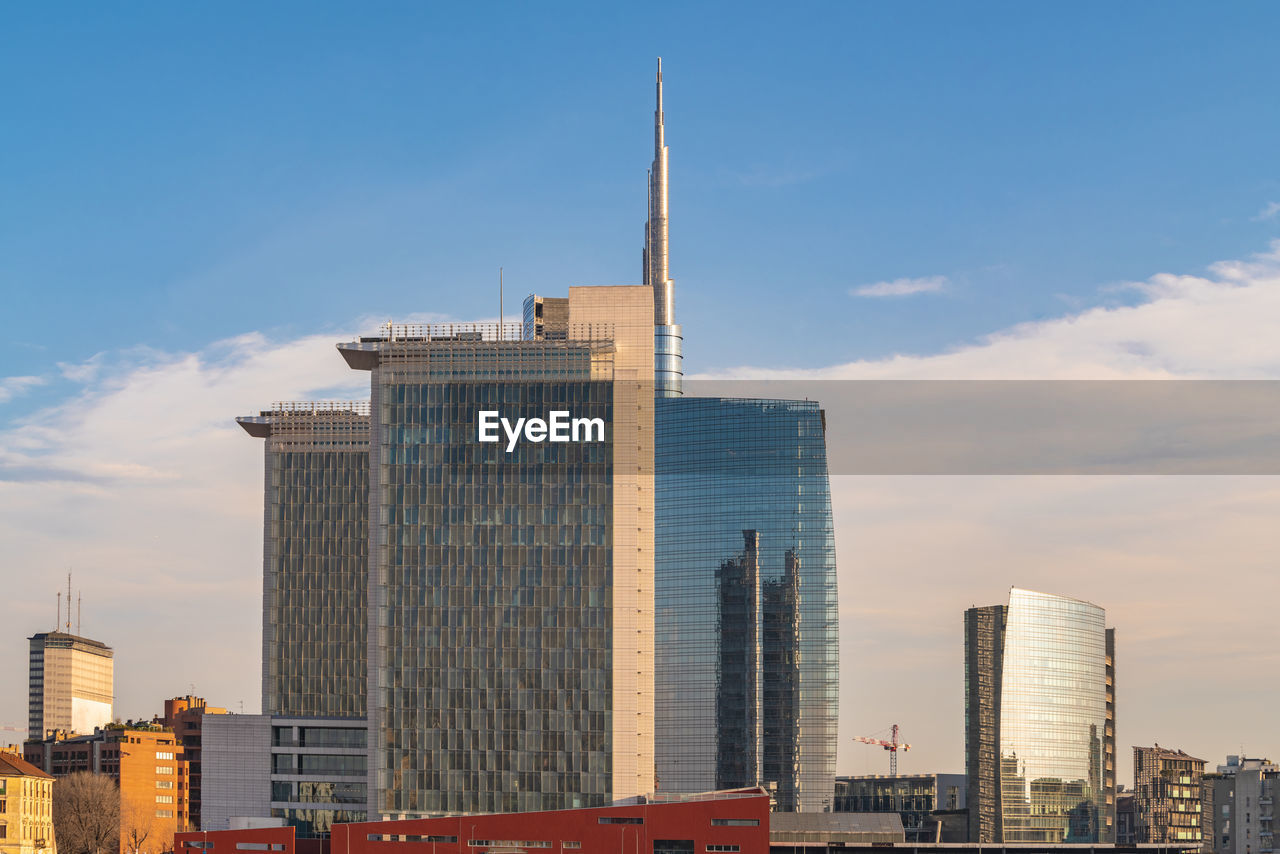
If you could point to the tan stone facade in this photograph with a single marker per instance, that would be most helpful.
(630, 311)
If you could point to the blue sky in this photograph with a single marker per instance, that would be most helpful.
(181, 174)
(197, 201)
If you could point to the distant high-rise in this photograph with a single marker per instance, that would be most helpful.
(747, 626)
(1040, 721)
(511, 582)
(315, 557)
(71, 684)
(668, 343)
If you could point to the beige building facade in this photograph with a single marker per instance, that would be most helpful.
(26, 808)
(71, 680)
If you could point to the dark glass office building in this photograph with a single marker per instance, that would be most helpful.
(746, 613)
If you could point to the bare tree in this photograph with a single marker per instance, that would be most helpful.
(136, 822)
(86, 814)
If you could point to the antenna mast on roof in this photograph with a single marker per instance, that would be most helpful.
(68, 601)
(79, 595)
(57, 621)
(500, 317)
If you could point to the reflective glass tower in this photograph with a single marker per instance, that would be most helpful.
(511, 585)
(315, 557)
(1040, 721)
(746, 623)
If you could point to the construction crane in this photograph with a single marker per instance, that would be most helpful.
(892, 745)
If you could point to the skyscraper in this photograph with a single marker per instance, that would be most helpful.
(1040, 721)
(71, 683)
(315, 557)
(668, 345)
(511, 597)
(747, 633)
(746, 622)
(304, 760)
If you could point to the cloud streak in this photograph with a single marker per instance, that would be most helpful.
(11, 387)
(903, 287)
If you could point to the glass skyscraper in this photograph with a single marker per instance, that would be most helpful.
(746, 620)
(315, 557)
(511, 597)
(1040, 721)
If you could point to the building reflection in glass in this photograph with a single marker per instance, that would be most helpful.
(746, 625)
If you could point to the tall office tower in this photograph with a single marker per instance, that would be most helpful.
(511, 581)
(71, 683)
(1168, 801)
(1040, 721)
(315, 557)
(668, 342)
(746, 623)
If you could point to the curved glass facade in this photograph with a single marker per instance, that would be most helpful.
(1053, 721)
(746, 626)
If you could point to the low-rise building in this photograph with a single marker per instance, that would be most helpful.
(26, 807)
(1244, 793)
(146, 762)
(914, 797)
(307, 773)
(1167, 796)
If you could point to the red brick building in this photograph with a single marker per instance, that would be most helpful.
(148, 765)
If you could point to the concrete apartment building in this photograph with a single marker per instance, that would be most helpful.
(1244, 797)
(26, 807)
(71, 684)
(1168, 801)
(147, 763)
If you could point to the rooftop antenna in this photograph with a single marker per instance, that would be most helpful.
(501, 326)
(68, 601)
(57, 621)
(79, 595)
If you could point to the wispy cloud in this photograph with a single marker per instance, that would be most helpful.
(903, 287)
(1269, 212)
(11, 387)
(760, 175)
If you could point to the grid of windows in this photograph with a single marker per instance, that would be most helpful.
(494, 576)
(1053, 718)
(745, 551)
(315, 631)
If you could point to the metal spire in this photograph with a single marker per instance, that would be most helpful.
(657, 273)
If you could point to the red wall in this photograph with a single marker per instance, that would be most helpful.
(277, 840)
(683, 820)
